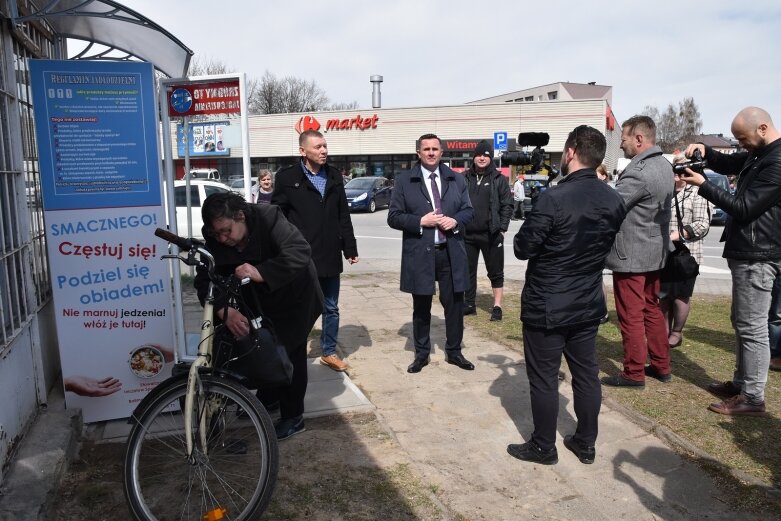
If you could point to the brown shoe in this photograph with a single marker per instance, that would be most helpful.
(334, 363)
(724, 390)
(775, 364)
(738, 406)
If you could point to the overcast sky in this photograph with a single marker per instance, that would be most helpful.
(724, 54)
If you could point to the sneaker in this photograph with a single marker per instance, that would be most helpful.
(724, 390)
(469, 310)
(654, 373)
(496, 314)
(287, 427)
(738, 406)
(605, 319)
(334, 363)
(530, 451)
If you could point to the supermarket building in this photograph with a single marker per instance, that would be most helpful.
(382, 141)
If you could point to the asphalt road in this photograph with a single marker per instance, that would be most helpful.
(376, 240)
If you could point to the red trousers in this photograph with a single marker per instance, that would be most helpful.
(640, 318)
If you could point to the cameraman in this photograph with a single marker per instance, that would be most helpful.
(752, 247)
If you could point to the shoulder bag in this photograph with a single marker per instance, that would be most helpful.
(259, 356)
(680, 265)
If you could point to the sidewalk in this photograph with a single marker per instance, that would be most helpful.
(455, 425)
(452, 425)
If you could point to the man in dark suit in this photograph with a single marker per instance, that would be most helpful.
(430, 204)
(312, 197)
(566, 239)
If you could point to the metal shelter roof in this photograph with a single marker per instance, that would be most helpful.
(120, 33)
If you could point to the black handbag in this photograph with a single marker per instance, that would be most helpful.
(680, 265)
(259, 356)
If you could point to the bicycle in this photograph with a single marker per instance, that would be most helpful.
(201, 446)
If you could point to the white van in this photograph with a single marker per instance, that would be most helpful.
(211, 174)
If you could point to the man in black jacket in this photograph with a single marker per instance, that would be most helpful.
(312, 197)
(492, 201)
(566, 239)
(752, 247)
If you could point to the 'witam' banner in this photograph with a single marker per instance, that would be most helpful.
(100, 179)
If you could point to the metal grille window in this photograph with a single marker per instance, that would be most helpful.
(25, 283)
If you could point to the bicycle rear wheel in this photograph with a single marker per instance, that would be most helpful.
(231, 478)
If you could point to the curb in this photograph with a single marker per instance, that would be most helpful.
(31, 485)
(678, 443)
(685, 447)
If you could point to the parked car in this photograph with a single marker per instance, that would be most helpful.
(719, 216)
(238, 184)
(533, 184)
(368, 193)
(211, 174)
(200, 189)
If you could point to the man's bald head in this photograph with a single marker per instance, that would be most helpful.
(753, 128)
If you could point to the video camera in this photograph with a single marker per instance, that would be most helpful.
(522, 158)
(697, 164)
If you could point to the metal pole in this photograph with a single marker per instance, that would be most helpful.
(181, 348)
(245, 137)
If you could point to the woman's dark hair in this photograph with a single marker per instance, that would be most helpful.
(219, 205)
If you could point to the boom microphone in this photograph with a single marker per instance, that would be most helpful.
(533, 139)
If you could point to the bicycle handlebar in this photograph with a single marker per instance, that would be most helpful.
(181, 242)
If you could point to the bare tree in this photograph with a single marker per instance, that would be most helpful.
(289, 94)
(205, 66)
(344, 106)
(676, 126)
(273, 95)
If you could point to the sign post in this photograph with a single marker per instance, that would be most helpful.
(500, 145)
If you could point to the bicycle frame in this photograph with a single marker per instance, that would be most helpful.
(197, 255)
(203, 359)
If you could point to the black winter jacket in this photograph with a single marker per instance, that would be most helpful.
(290, 295)
(752, 229)
(323, 220)
(566, 238)
(501, 203)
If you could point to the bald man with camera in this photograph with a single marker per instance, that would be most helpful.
(752, 247)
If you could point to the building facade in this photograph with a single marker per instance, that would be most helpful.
(382, 142)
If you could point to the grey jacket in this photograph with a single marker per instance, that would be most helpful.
(647, 186)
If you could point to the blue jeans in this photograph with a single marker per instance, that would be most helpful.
(774, 320)
(330, 287)
(752, 284)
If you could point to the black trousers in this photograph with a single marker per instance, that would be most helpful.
(492, 248)
(291, 397)
(454, 311)
(518, 209)
(543, 349)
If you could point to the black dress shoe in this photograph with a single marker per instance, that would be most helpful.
(460, 361)
(469, 310)
(530, 451)
(654, 373)
(585, 454)
(724, 389)
(619, 381)
(417, 365)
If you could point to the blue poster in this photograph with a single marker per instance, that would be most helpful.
(205, 139)
(96, 123)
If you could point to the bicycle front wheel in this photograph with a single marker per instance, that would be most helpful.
(230, 477)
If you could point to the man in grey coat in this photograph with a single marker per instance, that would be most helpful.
(639, 253)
